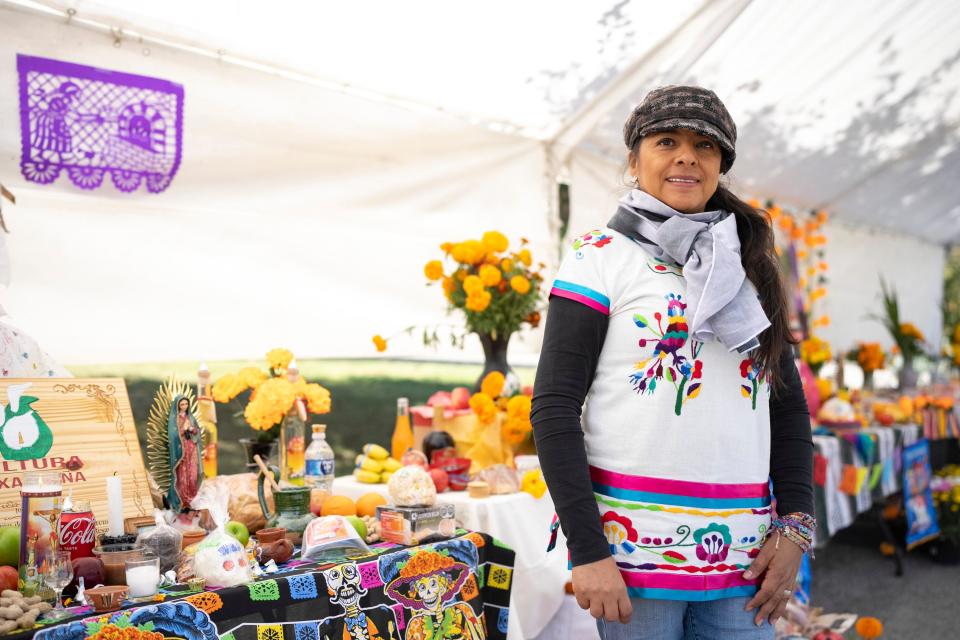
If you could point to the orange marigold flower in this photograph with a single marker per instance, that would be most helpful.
(472, 284)
(495, 241)
(490, 275)
(520, 284)
(469, 252)
(433, 270)
(484, 407)
(478, 301)
(492, 384)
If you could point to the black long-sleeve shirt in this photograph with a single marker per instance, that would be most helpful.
(573, 339)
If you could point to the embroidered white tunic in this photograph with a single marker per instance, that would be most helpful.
(677, 432)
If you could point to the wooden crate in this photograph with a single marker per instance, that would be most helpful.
(92, 421)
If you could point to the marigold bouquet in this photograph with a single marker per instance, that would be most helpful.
(496, 288)
(870, 357)
(815, 352)
(273, 394)
(906, 335)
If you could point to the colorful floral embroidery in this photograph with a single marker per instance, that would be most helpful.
(595, 238)
(750, 545)
(681, 369)
(750, 371)
(663, 267)
(619, 532)
(713, 542)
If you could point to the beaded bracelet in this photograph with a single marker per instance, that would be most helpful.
(798, 528)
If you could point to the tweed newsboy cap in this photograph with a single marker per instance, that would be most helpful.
(680, 107)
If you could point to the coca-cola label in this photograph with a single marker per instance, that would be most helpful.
(78, 533)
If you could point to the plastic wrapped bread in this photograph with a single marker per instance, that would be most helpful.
(411, 486)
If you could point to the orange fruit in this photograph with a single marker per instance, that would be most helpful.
(338, 506)
(367, 504)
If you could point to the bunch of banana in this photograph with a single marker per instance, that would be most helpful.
(375, 465)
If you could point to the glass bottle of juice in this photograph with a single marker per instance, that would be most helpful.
(402, 431)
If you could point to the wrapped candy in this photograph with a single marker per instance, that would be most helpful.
(412, 486)
(163, 540)
(220, 558)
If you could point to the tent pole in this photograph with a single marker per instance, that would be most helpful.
(707, 23)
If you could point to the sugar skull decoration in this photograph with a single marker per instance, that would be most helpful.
(222, 562)
(428, 581)
(345, 589)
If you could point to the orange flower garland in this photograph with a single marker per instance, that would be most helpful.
(425, 562)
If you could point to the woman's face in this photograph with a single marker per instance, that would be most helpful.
(182, 405)
(680, 168)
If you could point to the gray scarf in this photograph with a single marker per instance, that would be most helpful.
(721, 302)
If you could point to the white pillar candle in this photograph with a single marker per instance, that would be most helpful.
(143, 581)
(115, 506)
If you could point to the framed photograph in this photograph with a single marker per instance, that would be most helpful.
(138, 524)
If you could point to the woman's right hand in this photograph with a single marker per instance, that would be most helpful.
(599, 588)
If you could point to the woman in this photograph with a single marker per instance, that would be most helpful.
(184, 434)
(672, 324)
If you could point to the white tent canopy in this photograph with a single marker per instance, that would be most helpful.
(329, 149)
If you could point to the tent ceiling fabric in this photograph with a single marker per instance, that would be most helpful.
(856, 112)
(852, 106)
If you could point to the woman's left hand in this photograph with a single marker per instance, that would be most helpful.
(781, 566)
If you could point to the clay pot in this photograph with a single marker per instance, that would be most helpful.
(265, 536)
(279, 551)
(192, 537)
(107, 598)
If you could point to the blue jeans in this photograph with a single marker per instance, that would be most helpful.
(722, 619)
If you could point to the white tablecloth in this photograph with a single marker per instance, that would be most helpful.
(523, 523)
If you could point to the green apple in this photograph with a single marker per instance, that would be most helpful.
(359, 526)
(239, 531)
(10, 546)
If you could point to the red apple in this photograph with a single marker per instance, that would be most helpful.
(460, 398)
(8, 578)
(440, 399)
(440, 479)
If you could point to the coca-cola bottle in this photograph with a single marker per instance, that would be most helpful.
(78, 530)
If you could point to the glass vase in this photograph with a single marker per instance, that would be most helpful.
(495, 359)
(907, 376)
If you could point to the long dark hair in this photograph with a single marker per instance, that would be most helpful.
(759, 260)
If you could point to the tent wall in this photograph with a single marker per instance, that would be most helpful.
(302, 217)
(299, 217)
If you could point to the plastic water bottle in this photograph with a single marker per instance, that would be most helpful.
(319, 460)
